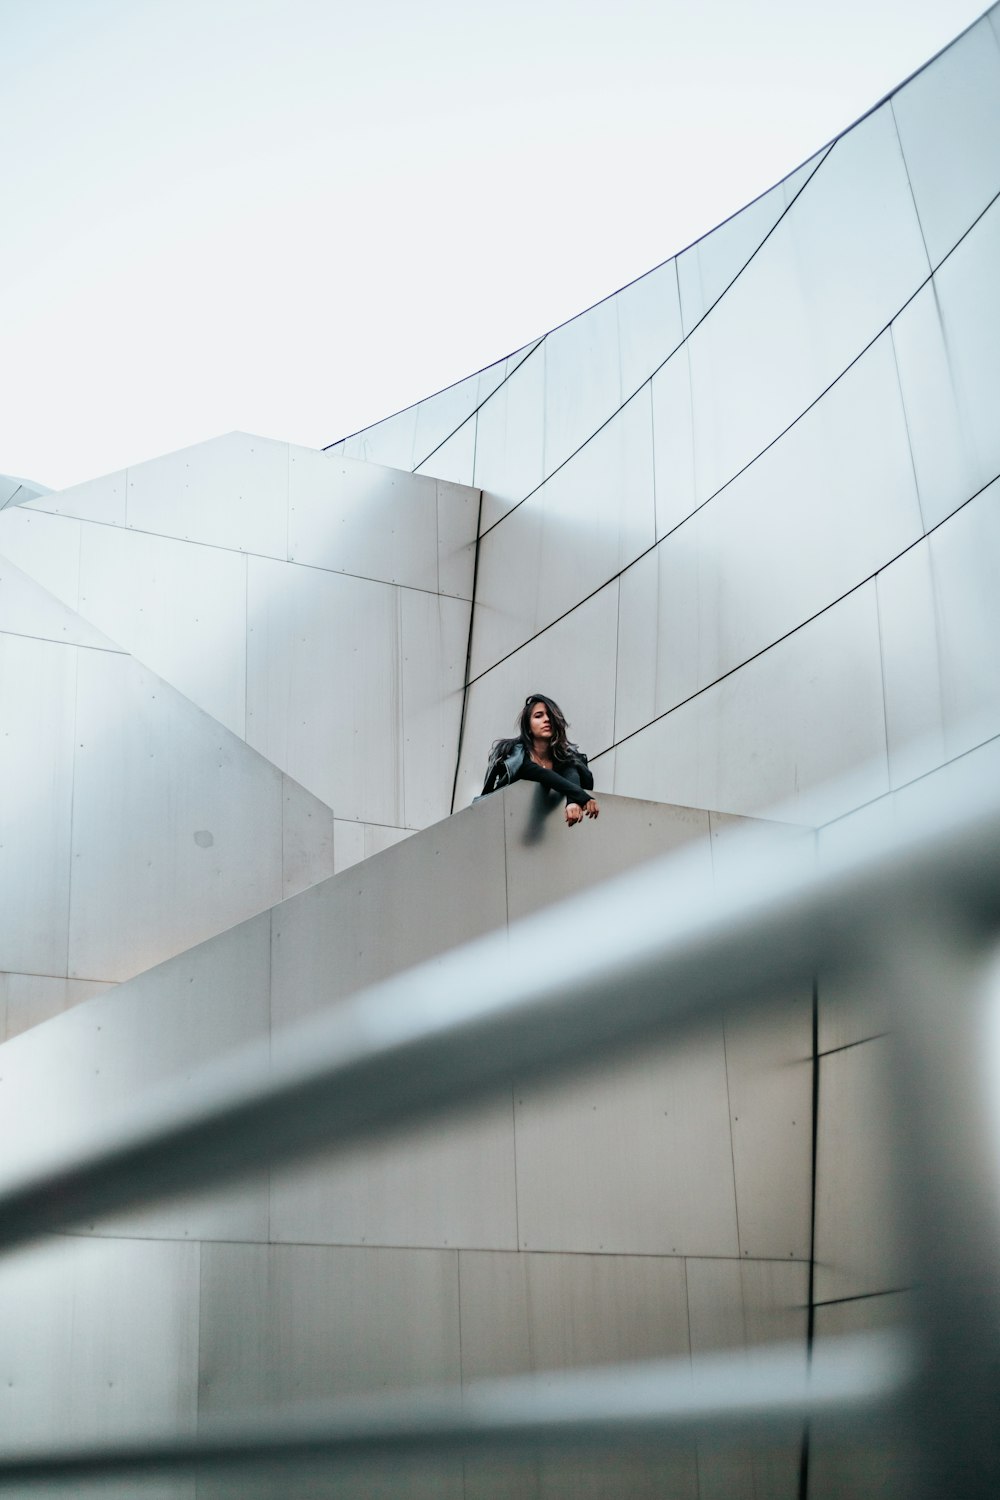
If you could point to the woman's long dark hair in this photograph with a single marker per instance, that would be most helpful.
(562, 747)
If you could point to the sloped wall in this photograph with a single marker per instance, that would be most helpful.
(659, 1205)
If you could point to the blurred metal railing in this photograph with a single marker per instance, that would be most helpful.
(916, 918)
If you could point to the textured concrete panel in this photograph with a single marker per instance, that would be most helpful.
(100, 499)
(673, 442)
(737, 1305)
(709, 267)
(769, 1073)
(940, 614)
(946, 343)
(649, 325)
(870, 1467)
(510, 439)
(45, 547)
(176, 828)
(363, 519)
(582, 381)
(323, 685)
(948, 119)
(27, 1000)
(634, 1158)
(28, 609)
(455, 460)
(857, 1252)
(581, 856)
(837, 490)
(442, 1185)
(37, 689)
(229, 492)
(807, 717)
(587, 522)
(837, 268)
(290, 1324)
(77, 1363)
(181, 609)
(93, 1063)
(434, 642)
(401, 907)
(523, 1313)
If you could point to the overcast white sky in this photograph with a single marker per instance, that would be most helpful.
(295, 217)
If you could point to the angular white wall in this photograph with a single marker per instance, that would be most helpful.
(657, 1206)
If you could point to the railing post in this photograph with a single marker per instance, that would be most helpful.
(945, 996)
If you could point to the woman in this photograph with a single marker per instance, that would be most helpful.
(542, 752)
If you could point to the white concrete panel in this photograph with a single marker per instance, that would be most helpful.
(709, 267)
(948, 118)
(603, 769)
(297, 1324)
(38, 690)
(510, 439)
(640, 641)
(828, 505)
(79, 1363)
(940, 617)
(26, 1000)
(230, 492)
(946, 343)
(178, 607)
(793, 184)
(95, 500)
(363, 519)
(45, 547)
(456, 457)
(649, 325)
(323, 685)
(882, 1466)
(636, 1158)
(337, 1322)
(582, 856)
(457, 527)
(837, 268)
(673, 442)
(308, 839)
(176, 827)
(434, 633)
(389, 442)
(735, 1305)
(442, 1185)
(965, 554)
(94, 1061)
(407, 905)
(808, 719)
(582, 380)
(582, 527)
(439, 416)
(573, 662)
(523, 1313)
(911, 667)
(857, 1242)
(353, 842)
(769, 1070)
(28, 609)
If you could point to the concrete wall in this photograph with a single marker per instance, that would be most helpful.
(660, 1205)
(315, 606)
(740, 517)
(131, 824)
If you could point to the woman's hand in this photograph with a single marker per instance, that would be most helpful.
(574, 813)
(591, 810)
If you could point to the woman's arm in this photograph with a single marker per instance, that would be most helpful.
(567, 786)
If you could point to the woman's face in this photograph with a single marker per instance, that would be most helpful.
(541, 727)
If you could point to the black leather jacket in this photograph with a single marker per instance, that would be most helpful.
(510, 762)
